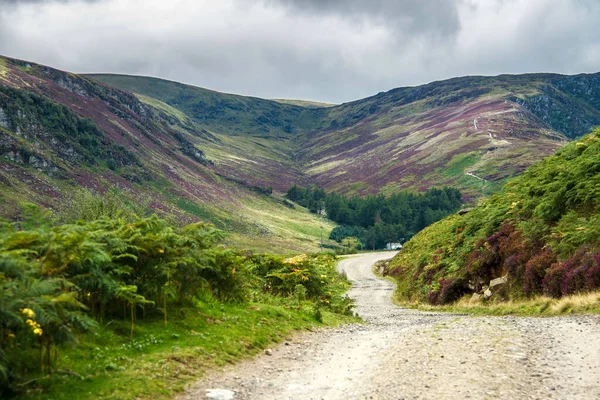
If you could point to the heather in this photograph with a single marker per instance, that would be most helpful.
(542, 232)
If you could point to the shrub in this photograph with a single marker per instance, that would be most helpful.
(535, 271)
(552, 283)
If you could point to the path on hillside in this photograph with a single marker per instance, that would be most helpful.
(406, 354)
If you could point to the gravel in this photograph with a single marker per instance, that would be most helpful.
(407, 354)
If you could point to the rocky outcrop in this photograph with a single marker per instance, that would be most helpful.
(486, 291)
(4, 122)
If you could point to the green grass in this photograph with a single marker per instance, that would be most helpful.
(163, 107)
(459, 164)
(194, 209)
(158, 362)
(541, 230)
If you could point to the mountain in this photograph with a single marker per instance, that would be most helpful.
(470, 132)
(60, 132)
(539, 235)
(194, 153)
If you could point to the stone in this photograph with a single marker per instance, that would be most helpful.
(269, 352)
(488, 293)
(475, 297)
(3, 119)
(499, 281)
(220, 394)
(465, 211)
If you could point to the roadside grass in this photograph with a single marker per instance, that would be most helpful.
(584, 303)
(159, 361)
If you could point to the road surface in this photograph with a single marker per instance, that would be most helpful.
(407, 354)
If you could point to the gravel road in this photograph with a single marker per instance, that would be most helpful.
(407, 354)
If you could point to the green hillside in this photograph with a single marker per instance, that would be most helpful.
(541, 232)
(221, 112)
(471, 132)
(64, 137)
(191, 153)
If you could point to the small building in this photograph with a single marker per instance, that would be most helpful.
(393, 246)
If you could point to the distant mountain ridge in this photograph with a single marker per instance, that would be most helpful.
(470, 132)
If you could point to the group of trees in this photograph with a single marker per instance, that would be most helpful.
(377, 219)
(60, 280)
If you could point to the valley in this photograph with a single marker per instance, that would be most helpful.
(196, 153)
(166, 209)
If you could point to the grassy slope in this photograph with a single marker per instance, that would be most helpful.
(541, 231)
(165, 177)
(406, 138)
(426, 136)
(304, 103)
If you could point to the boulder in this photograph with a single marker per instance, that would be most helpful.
(488, 293)
(499, 281)
(475, 297)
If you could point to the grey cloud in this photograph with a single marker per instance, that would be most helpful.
(318, 50)
(418, 16)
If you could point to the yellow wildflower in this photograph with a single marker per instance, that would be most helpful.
(11, 335)
(38, 331)
(161, 251)
(296, 260)
(28, 312)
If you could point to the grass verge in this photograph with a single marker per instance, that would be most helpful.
(583, 303)
(586, 303)
(159, 361)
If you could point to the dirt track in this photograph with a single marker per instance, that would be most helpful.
(406, 354)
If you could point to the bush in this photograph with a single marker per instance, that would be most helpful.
(535, 271)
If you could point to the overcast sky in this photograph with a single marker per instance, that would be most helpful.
(327, 50)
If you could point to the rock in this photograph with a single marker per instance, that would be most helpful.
(499, 281)
(465, 211)
(269, 352)
(475, 297)
(488, 293)
(3, 119)
(220, 394)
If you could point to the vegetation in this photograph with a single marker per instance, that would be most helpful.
(541, 232)
(582, 303)
(222, 112)
(377, 220)
(71, 135)
(59, 282)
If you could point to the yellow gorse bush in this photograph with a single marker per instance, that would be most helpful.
(296, 260)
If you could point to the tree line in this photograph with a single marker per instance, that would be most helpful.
(376, 219)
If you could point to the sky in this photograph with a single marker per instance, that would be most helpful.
(324, 50)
